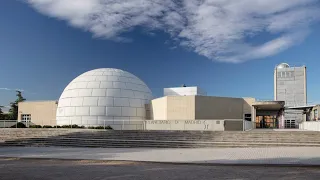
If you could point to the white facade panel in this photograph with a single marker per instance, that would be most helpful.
(114, 92)
(119, 85)
(135, 103)
(99, 92)
(75, 120)
(82, 111)
(127, 93)
(128, 111)
(105, 101)
(102, 78)
(78, 101)
(121, 101)
(113, 78)
(65, 102)
(81, 85)
(106, 85)
(90, 101)
(93, 85)
(139, 95)
(90, 120)
(60, 112)
(70, 111)
(85, 92)
(141, 112)
(98, 73)
(113, 111)
(97, 111)
(107, 73)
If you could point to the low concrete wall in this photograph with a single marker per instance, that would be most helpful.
(247, 125)
(233, 125)
(19, 133)
(310, 125)
(7, 123)
(189, 125)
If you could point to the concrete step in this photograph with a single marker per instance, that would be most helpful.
(118, 141)
(160, 139)
(164, 145)
(169, 139)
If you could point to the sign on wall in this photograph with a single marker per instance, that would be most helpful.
(199, 125)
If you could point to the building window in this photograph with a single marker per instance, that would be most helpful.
(279, 74)
(247, 117)
(25, 117)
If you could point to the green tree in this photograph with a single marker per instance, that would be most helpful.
(1, 113)
(13, 111)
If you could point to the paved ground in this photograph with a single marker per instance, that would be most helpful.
(33, 169)
(274, 155)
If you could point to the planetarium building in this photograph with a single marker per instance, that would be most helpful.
(103, 96)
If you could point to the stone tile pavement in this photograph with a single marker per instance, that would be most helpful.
(244, 156)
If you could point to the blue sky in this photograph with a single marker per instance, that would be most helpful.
(44, 44)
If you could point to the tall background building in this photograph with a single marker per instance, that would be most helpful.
(290, 85)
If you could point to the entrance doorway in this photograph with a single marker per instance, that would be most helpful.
(267, 122)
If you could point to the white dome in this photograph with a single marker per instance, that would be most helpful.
(104, 97)
(283, 65)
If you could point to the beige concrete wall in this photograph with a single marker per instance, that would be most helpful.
(159, 108)
(210, 107)
(42, 112)
(200, 107)
(247, 105)
(180, 107)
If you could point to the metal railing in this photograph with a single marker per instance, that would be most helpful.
(101, 124)
(127, 124)
(8, 123)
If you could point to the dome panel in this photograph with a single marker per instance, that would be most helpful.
(105, 101)
(283, 65)
(106, 85)
(100, 96)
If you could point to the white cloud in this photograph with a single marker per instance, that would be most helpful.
(8, 89)
(217, 29)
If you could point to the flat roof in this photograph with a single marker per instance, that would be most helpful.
(302, 107)
(269, 105)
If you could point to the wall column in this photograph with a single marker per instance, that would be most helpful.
(253, 117)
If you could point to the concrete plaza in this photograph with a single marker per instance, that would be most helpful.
(38, 169)
(243, 156)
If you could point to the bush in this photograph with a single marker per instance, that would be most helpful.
(47, 126)
(19, 125)
(56, 126)
(100, 127)
(35, 126)
(109, 127)
(72, 126)
(65, 126)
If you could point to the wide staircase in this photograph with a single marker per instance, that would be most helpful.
(155, 139)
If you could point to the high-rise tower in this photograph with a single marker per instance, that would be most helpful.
(290, 85)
